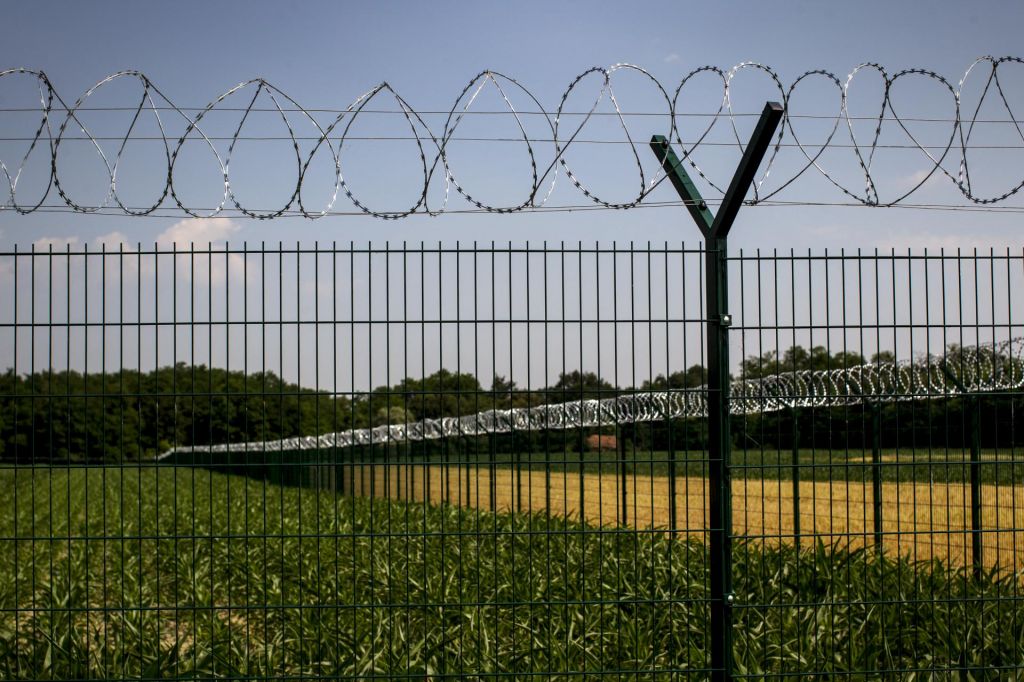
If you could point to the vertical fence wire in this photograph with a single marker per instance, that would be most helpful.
(875, 538)
(921, 493)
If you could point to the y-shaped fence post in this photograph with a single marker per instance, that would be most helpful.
(715, 229)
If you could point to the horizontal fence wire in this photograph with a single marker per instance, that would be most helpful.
(491, 461)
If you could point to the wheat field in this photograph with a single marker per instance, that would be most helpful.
(920, 520)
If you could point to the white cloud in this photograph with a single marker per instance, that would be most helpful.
(57, 243)
(198, 231)
(111, 239)
(114, 238)
(935, 178)
(202, 233)
(671, 58)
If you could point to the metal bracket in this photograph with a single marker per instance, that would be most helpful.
(952, 377)
(718, 225)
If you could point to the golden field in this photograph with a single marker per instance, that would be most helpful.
(919, 519)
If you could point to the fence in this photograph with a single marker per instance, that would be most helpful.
(493, 461)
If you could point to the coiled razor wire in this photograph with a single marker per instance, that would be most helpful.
(60, 121)
(961, 371)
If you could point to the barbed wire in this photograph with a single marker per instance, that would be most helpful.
(960, 371)
(61, 123)
(574, 208)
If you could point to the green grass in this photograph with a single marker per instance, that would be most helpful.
(159, 572)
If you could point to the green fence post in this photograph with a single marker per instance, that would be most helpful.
(446, 471)
(972, 403)
(673, 520)
(715, 229)
(620, 449)
(719, 451)
(425, 459)
(390, 452)
(795, 463)
(582, 461)
(976, 551)
(876, 471)
(339, 468)
(493, 463)
(517, 466)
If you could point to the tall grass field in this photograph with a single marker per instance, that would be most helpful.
(163, 571)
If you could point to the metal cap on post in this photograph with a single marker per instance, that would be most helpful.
(715, 230)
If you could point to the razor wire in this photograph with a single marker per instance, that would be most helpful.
(58, 120)
(961, 371)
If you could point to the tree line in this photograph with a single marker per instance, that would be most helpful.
(127, 415)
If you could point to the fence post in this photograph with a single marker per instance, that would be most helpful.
(427, 484)
(620, 449)
(973, 403)
(976, 552)
(715, 229)
(795, 463)
(517, 465)
(446, 471)
(582, 461)
(673, 521)
(492, 458)
(719, 450)
(339, 470)
(876, 471)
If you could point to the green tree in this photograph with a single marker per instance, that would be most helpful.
(393, 415)
(586, 385)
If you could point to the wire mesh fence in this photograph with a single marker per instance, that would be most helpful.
(487, 461)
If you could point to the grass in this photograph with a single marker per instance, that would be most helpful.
(165, 571)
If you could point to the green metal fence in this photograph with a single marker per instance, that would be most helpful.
(484, 461)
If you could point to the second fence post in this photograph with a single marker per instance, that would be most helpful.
(971, 402)
(795, 463)
(620, 449)
(876, 471)
(974, 405)
(673, 520)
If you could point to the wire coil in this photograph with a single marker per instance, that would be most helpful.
(962, 370)
(59, 120)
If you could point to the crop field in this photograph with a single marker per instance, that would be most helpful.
(919, 519)
(1000, 467)
(160, 571)
(925, 504)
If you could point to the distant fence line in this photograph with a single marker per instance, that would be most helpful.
(963, 371)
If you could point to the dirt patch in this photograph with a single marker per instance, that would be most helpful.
(921, 520)
(175, 635)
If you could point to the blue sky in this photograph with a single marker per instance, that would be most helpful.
(324, 55)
